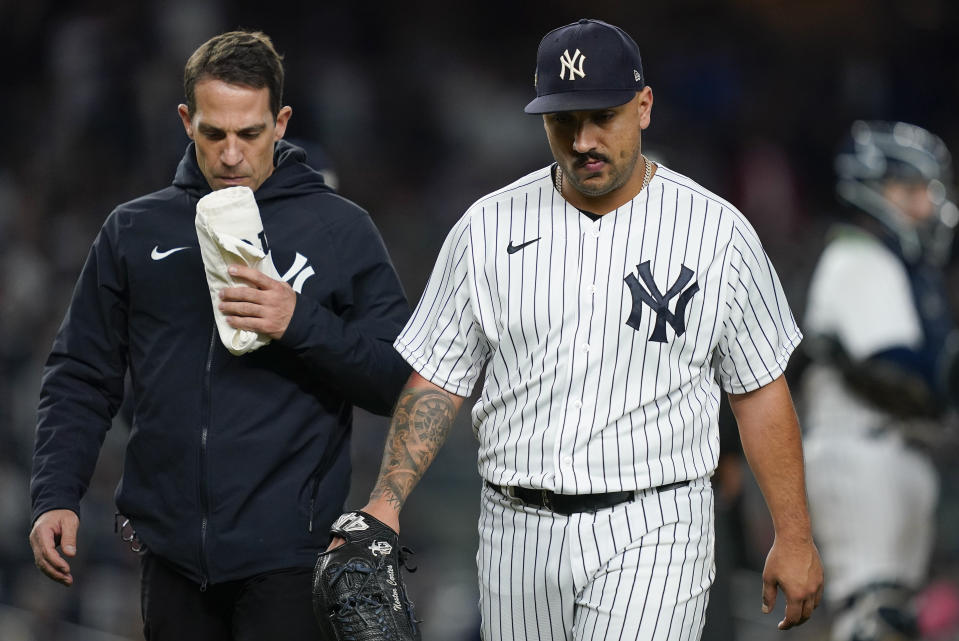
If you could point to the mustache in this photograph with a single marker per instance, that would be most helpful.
(582, 159)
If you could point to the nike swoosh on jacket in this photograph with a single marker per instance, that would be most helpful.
(156, 254)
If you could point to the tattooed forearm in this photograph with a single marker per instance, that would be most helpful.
(419, 427)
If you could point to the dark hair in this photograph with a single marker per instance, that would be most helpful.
(239, 58)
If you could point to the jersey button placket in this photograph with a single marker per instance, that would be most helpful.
(579, 353)
(588, 273)
(566, 443)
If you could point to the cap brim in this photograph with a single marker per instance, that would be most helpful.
(579, 100)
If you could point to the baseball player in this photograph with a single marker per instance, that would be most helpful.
(610, 301)
(879, 323)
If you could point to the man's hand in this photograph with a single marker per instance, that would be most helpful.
(795, 568)
(52, 529)
(266, 306)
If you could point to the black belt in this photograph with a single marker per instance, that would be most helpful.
(567, 504)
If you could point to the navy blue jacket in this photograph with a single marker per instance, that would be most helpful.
(235, 465)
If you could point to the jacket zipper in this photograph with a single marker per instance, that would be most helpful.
(201, 481)
(320, 473)
(316, 485)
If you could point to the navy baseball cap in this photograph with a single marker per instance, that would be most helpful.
(588, 64)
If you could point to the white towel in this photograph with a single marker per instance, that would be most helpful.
(228, 227)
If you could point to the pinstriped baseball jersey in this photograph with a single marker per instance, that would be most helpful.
(607, 341)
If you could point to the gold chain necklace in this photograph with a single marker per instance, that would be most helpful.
(647, 174)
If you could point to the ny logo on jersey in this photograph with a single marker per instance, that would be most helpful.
(574, 65)
(659, 302)
(299, 272)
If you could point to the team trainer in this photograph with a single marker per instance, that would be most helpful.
(235, 465)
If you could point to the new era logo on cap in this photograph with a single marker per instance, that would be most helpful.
(603, 70)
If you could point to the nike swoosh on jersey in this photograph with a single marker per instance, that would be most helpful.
(512, 249)
(156, 254)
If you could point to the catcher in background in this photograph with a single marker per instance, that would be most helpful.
(883, 345)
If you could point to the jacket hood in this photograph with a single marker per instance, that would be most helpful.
(291, 175)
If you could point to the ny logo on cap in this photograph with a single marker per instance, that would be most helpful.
(574, 64)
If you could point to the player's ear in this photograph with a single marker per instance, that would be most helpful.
(184, 112)
(282, 119)
(645, 106)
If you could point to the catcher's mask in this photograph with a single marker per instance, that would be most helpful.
(875, 153)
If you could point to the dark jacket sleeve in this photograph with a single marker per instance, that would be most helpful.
(351, 348)
(82, 384)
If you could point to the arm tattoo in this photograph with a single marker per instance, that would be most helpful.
(419, 428)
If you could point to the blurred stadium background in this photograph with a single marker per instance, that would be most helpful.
(417, 107)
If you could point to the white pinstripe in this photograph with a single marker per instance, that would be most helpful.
(577, 401)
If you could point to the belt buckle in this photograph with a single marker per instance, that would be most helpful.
(547, 501)
(508, 493)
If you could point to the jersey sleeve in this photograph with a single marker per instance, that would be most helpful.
(444, 340)
(759, 333)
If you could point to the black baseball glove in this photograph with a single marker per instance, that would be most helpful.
(358, 594)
